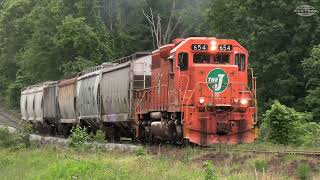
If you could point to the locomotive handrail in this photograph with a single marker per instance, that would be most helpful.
(185, 91)
(254, 90)
(140, 99)
(149, 90)
(190, 96)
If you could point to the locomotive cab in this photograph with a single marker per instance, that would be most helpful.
(220, 106)
(200, 93)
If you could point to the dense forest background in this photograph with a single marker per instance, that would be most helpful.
(50, 39)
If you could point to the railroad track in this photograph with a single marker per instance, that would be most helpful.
(7, 120)
(258, 151)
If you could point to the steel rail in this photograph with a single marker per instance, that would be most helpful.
(8, 121)
(297, 152)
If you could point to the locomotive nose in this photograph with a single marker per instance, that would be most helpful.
(213, 83)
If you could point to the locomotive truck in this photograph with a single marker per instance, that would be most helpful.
(198, 90)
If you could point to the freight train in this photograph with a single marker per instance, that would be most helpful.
(195, 90)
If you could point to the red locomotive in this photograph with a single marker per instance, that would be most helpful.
(199, 93)
(193, 90)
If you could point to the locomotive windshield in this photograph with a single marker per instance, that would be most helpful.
(205, 58)
(221, 59)
(201, 58)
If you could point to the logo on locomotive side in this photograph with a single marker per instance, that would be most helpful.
(217, 80)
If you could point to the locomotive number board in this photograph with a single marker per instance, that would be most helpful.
(225, 47)
(199, 47)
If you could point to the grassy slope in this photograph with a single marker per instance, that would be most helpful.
(160, 163)
(65, 164)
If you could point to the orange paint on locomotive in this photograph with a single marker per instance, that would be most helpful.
(203, 84)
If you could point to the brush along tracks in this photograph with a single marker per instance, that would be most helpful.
(258, 151)
(7, 120)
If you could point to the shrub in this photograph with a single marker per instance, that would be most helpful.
(14, 141)
(98, 137)
(311, 134)
(6, 161)
(260, 165)
(210, 173)
(303, 172)
(140, 151)
(6, 139)
(78, 136)
(283, 125)
(71, 169)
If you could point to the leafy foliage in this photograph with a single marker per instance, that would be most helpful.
(277, 39)
(210, 172)
(78, 137)
(311, 68)
(51, 39)
(140, 151)
(13, 140)
(283, 125)
(46, 40)
(99, 137)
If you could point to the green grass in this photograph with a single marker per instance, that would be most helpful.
(70, 164)
(152, 163)
(268, 146)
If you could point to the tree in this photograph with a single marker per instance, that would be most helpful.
(79, 46)
(13, 37)
(277, 40)
(48, 39)
(170, 19)
(311, 67)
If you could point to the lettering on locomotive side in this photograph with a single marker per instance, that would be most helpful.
(217, 80)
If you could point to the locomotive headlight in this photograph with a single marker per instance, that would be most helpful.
(213, 48)
(201, 100)
(244, 101)
(213, 45)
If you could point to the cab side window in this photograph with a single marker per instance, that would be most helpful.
(240, 61)
(183, 61)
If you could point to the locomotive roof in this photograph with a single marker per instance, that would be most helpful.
(180, 43)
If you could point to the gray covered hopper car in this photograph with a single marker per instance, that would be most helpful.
(118, 84)
(102, 97)
(88, 97)
(38, 102)
(67, 100)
